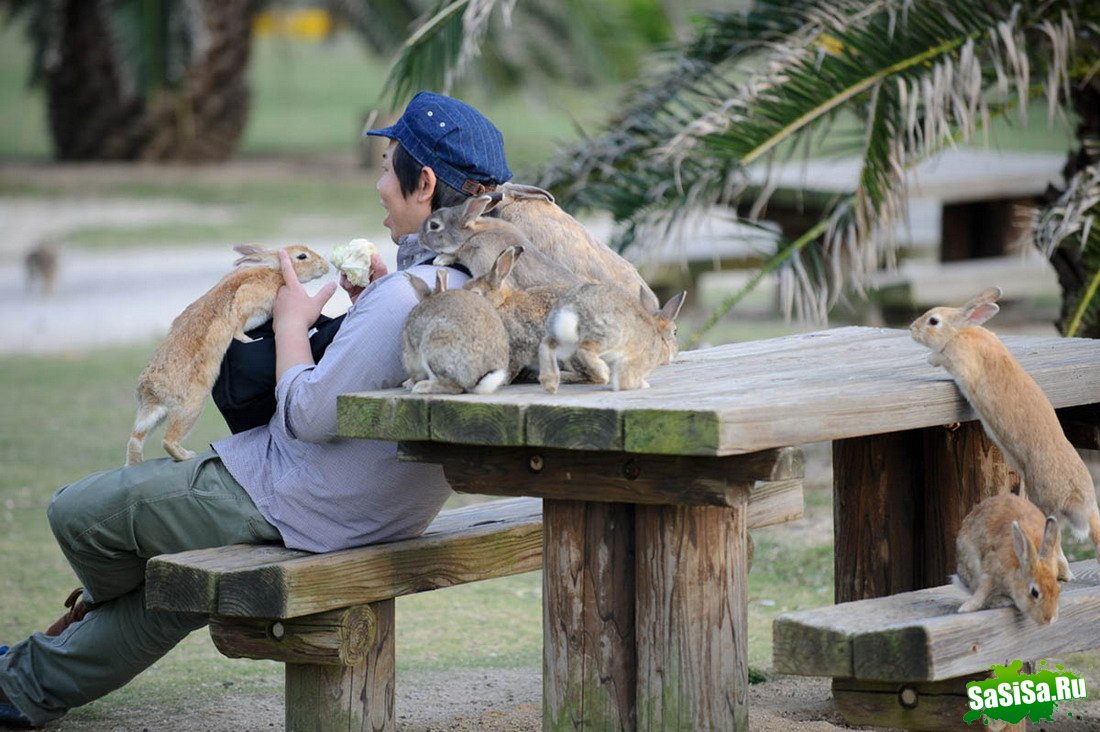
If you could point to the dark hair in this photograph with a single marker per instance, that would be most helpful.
(407, 170)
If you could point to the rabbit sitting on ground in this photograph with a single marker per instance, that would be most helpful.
(561, 237)
(460, 234)
(1013, 409)
(453, 341)
(1007, 549)
(611, 333)
(182, 370)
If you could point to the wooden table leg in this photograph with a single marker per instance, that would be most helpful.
(898, 502)
(692, 615)
(899, 499)
(588, 615)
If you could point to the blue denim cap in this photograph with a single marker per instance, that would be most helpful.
(465, 149)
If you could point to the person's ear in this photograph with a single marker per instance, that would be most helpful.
(425, 185)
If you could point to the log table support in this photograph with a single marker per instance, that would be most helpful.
(899, 499)
(339, 664)
(645, 570)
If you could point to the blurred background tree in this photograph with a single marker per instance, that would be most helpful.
(892, 82)
(167, 80)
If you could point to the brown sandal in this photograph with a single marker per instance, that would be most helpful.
(77, 610)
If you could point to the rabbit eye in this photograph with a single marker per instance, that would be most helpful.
(1035, 592)
(434, 226)
(933, 320)
(301, 255)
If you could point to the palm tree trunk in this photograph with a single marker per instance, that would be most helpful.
(97, 113)
(1067, 260)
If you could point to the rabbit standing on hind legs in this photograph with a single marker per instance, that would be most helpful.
(181, 372)
(1014, 411)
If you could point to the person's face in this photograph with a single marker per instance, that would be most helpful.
(404, 214)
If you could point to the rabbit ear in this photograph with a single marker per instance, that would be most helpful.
(1022, 547)
(441, 279)
(474, 208)
(251, 252)
(978, 314)
(672, 307)
(518, 191)
(503, 264)
(418, 285)
(1050, 535)
(990, 294)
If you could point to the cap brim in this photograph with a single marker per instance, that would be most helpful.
(390, 132)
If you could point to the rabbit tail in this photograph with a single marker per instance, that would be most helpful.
(148, 417)
(491, 381)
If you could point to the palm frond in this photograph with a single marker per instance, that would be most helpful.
(1071, 221)
(917, 76)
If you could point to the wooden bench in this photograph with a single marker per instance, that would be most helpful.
(330, 617)
(903, 660)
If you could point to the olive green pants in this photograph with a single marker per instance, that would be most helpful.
(108, 525)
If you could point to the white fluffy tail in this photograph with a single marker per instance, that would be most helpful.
(565, 329)
(490, 382)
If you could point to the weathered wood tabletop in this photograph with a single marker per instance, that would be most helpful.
(645, 543)
(731, 399)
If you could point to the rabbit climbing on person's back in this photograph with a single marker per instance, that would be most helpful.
(461, 234)
(561, 237)
(1013, 409)
(174, 385)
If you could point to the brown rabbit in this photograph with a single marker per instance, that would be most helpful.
(41, 264)
(1007, 549)
(612, 334)
(523, 313)
(1013, 409)
(453, 341)
(182, 370)
(560, 236)
(461, 234)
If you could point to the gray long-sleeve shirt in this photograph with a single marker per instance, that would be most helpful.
(321, 491)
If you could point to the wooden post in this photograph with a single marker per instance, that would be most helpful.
(326, 698)
(692, 615)
(899, 499)
(588, 616)
(898, 502)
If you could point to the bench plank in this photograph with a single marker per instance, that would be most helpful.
(920, 636)
(462, 545)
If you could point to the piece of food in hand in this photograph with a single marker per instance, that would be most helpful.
(354, 260)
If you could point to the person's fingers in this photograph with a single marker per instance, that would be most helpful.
(377, 267)
(290, 277)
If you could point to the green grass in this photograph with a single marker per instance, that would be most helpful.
(67, 416)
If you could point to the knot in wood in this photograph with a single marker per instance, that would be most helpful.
(631, 471)
(357, 634)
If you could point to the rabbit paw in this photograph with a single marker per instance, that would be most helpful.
(444, 260)
(243, 338)
(178, 451)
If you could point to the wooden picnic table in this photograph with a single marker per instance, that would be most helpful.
(646, 497)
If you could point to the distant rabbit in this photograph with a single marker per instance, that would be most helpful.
(182, 370)
(522, 311)
(1013, 409)
(1006, 548)
(461, 234)
(560, 236)
(40, 263)
(453, 341)
(611, 333)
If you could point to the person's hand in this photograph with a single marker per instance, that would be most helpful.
(295, 309)
(377, 269)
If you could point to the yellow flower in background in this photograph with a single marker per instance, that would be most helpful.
(831, 44)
